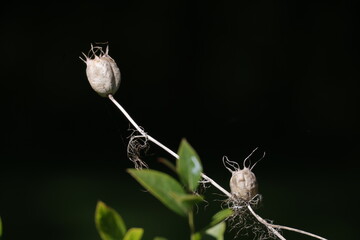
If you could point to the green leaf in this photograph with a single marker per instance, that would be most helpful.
(167, 163)
(217, 231)
(189, 200)
(163, 187)
(109, 223)
(220, 216)
(188, 166)
(134, 234)
(196, 236)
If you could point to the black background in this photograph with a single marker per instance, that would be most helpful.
(227, 75)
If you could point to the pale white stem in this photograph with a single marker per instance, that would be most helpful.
(272, 226)
(139, 129)
(126, 115)
(260, 219)
(163, 146)
(216, 185)
(296, 230)
(268, 225)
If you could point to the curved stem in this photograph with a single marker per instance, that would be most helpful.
(216, 185)
(296, 230)
(270, 226)
(191, 222)
(273, 226)
(142, 132)
(260, 219)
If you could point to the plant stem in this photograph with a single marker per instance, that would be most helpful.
(296, 230)
(142, 132)
(260, 219)
(191, 222)
(139, 129)
(270, 226)
(273, 226)
(216, 185)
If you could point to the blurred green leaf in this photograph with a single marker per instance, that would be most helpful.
(159, 238)
(134, 234)
(163, 187)
(188, 166)
(109, 223)
(167, 163)
(219, 217)
(189, 200)
(217, 231)
(196, 236)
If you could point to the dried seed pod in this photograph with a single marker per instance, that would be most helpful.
(243, 182)
(102, 72)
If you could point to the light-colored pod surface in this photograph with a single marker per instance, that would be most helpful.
(243, 184)
(103, 75)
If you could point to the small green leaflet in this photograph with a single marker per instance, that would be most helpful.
(220, 216)
(217, 231)
(188, 166)
(134, 234)
(164, 187)
(196, 236)
(217, 226)
(109, 223)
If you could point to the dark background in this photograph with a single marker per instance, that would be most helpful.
(228, 75)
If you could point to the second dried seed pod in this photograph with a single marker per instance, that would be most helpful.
(243, 184)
